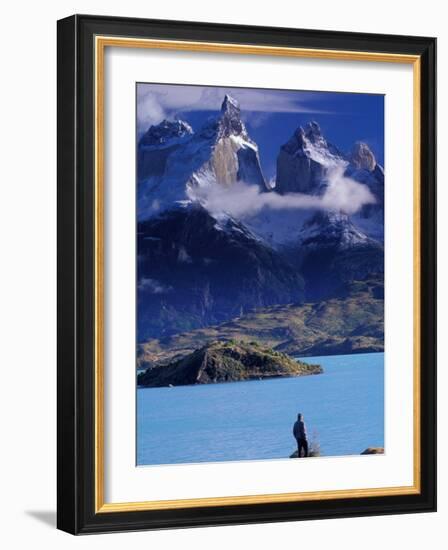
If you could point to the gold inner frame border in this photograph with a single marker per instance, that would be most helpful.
(100, 44)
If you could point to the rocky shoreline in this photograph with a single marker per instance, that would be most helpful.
(368, 451)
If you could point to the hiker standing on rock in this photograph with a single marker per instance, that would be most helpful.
(299, 432)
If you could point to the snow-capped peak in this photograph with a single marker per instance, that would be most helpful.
(230, 123)
(165, 133)
(313, 133)
(305, 160)
(315, 146)
(229, 102)
(309, 142)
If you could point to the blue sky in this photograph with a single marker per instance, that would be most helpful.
(271, 116)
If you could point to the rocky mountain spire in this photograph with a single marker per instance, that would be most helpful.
(231, 123)
(362, 157)
(313, 133)
(304, 159)
(230, 105)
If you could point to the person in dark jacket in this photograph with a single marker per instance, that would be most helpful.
(299, 432)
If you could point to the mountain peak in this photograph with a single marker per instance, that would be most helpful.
(230, 122)
(165, 131)
(304, 159)
(307, 139)
(229, 104)
(362, 157)
(313, 132)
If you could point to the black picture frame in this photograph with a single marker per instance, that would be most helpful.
(76, 286)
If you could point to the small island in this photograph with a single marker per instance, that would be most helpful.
(226, 361)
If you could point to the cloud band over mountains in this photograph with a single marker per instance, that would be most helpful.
(342, 194)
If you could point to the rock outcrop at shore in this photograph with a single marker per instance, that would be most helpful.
(373, 451)
(226, 362)
(368, 451)
(311, 454)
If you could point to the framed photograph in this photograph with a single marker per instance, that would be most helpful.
(246, 271)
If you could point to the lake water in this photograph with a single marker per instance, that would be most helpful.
(343, 408)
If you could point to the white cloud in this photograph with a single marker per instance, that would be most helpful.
(149, 111)
(342, 194)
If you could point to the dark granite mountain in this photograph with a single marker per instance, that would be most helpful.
(303, 160)
(195, 270)
(332, 252)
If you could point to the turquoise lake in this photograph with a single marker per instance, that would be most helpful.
(343, 409)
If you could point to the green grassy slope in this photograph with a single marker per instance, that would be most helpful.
(352, 323)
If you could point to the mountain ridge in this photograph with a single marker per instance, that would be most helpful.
(351, 323)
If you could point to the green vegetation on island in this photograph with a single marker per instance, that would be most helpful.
(226, 362)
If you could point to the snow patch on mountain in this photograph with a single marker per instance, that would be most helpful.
(315, 147)
(332, 229)
(165, 134)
